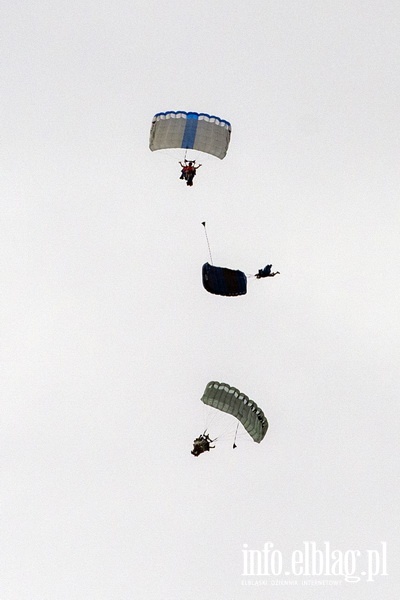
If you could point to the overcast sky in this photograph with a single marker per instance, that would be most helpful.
(107, 337)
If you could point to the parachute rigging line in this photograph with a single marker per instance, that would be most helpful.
(234, 439)
(208, 243)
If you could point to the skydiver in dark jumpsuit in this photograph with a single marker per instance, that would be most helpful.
(266, 272)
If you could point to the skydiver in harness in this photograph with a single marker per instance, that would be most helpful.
(188, 171)
(184, 170)
(202, 444)
(266, 272)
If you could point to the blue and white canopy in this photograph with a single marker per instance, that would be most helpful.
(190, 130)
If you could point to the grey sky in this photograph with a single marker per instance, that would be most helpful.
(108, 338)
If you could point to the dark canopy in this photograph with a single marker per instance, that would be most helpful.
(223, 281)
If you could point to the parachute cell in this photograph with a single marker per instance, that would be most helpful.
(223, 281)
(190, 130)
(230, 400)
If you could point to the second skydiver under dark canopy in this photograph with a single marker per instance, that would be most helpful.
(266, 272)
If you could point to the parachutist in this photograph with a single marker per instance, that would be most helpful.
(266, 272)
(202, 444)
(188, 171)
(184, 170)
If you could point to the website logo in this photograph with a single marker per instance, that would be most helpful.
(312, 564)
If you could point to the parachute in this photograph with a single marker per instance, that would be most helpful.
(230, 400)
(224, 282)
(190, 130)
(227, 282)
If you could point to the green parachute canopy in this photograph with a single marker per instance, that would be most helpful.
(230, 400)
